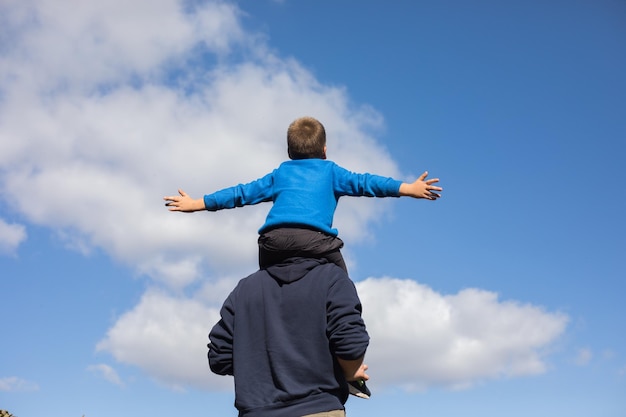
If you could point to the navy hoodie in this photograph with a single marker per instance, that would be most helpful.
(280, 332)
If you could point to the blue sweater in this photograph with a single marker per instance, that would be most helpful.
(280, 332)
(305, 193)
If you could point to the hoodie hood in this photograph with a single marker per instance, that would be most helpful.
(293, 269)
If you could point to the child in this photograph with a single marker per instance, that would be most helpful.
(304, 192)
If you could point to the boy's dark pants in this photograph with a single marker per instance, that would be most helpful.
(276, 245)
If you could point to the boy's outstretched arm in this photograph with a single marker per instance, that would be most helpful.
(421, 188)
(184, 203)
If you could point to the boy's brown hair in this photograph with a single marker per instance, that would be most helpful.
(306, 139)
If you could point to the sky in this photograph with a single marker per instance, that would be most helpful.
(504, 297)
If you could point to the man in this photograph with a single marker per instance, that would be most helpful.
(292, 336)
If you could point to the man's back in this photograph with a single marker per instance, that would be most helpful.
(280, 333)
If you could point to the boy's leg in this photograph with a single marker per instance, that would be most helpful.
(274, 247)
(282, 243)
(271, 257)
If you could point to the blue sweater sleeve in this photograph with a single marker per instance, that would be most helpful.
(241, 195)
(364, 185)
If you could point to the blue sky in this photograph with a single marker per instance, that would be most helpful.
(504, 297)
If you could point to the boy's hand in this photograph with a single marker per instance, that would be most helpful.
(184, 203)
(421, 188)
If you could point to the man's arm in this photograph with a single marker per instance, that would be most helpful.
(347, 333)
(220, 346)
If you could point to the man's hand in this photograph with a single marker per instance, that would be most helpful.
(354, 370)
(360, 373)
(183, 203)
(421, 188)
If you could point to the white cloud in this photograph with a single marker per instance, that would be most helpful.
(167, 337)
(583, 356)
(15, 384)
(107, 372)
(421, 338)
(608, 354)
(11, 236)
(67, 45)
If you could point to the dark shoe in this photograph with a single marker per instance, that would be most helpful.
(359, 389)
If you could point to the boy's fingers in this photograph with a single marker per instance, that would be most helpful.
(172, 202)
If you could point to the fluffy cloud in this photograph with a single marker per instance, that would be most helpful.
(64, 46)
(583, 356)
(14, 384)
(107, 372)
(422, 338)
(11, 236)
(167, 337)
